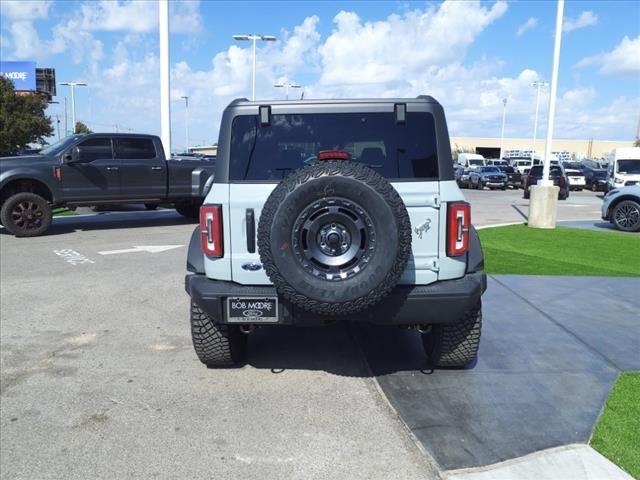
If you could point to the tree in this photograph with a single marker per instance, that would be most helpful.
(82, 128)
(22, 119)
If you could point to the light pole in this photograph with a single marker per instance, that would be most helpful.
(287, 86)
(186, 120)
(254, 37)
(539, 84)
(73, 86)
(504, 115)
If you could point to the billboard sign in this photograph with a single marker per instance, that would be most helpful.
(22, 74)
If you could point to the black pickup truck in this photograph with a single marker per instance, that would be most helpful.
(97, 169)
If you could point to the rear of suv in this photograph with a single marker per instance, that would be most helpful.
(335, 210)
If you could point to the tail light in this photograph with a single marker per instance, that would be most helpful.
(211, 230)
(458, 225)
(333, 155)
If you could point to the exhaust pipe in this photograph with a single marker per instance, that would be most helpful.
(247, 329)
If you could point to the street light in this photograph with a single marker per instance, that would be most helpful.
(504, 113)
(186, 120)
(539, 84)
(287, 86)
(73, 86)
(254, 37)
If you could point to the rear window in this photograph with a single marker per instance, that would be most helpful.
(575, 174)
(134, 148)
(554, 170)
(394, 150)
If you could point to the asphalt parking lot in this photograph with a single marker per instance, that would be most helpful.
(98, 376)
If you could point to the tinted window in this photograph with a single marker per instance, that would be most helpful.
(554, 171)
(135, 148)
(629, 166)
(95, 149)
(507, 169)
(394, 150)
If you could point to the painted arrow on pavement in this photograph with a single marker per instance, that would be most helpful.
(145, 248)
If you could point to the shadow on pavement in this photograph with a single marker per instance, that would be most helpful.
(113, 220)
(331, 349)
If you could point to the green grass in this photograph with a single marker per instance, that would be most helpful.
(518, 249)
(617, 434)
(63, 212)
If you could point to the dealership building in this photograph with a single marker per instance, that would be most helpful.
(577, 149)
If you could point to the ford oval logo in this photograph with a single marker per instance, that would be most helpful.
(252, 266)
(252, 313)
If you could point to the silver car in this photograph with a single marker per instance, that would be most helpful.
(621, 206)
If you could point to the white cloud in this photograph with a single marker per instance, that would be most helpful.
(117, 15)
(531, 22)
(24, 10)
(624, 58)
(585, 19)
(394, 50)
(25, 41)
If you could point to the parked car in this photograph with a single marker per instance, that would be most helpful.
(593, 164)
(333, 237)
(577, 180)
(463, 178)
(490, 177)
(497, 163)
(573, 166)
(624, 167)
(97, 169)
(621, 207)
(514, 178)
(471, 160)
(596, 179)
(556, 173)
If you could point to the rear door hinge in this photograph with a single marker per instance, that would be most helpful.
(435, 202)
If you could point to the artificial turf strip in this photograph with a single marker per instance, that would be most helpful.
(63, 212)
(518, 249)
(617, 434)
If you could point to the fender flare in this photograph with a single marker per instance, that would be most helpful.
(195, 257)
(475, 256)
(29, 174)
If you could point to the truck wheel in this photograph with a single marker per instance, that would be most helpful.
(526, 194)
(26, 214)
(151, 206)
(216, 344)
(334, 237)
(455, 345)
(626, 216)
(189, 210)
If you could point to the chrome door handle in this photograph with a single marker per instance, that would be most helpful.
(156, 168)
(113, 169)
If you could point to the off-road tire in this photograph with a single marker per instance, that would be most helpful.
(43, 209)
(189, 210)
(455, 345)
(216, 344)
(315, 183)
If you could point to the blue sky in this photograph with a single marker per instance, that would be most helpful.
(469, 55)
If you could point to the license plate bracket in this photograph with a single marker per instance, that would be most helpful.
(252, 310)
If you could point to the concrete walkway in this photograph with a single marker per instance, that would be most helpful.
(573, 462)
(551, 349)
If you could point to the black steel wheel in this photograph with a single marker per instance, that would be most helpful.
(334, 238)
(626, 216)
(323, 226)
(26, 214)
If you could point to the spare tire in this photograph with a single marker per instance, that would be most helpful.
(334, 237)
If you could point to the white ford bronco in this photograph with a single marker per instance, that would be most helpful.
(335, 210)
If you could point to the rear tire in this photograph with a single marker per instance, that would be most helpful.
(18, 208)
(455, 345)
(216, 344)
(189, 210)
(626, 216)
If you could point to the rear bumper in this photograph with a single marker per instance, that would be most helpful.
(443, 302)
